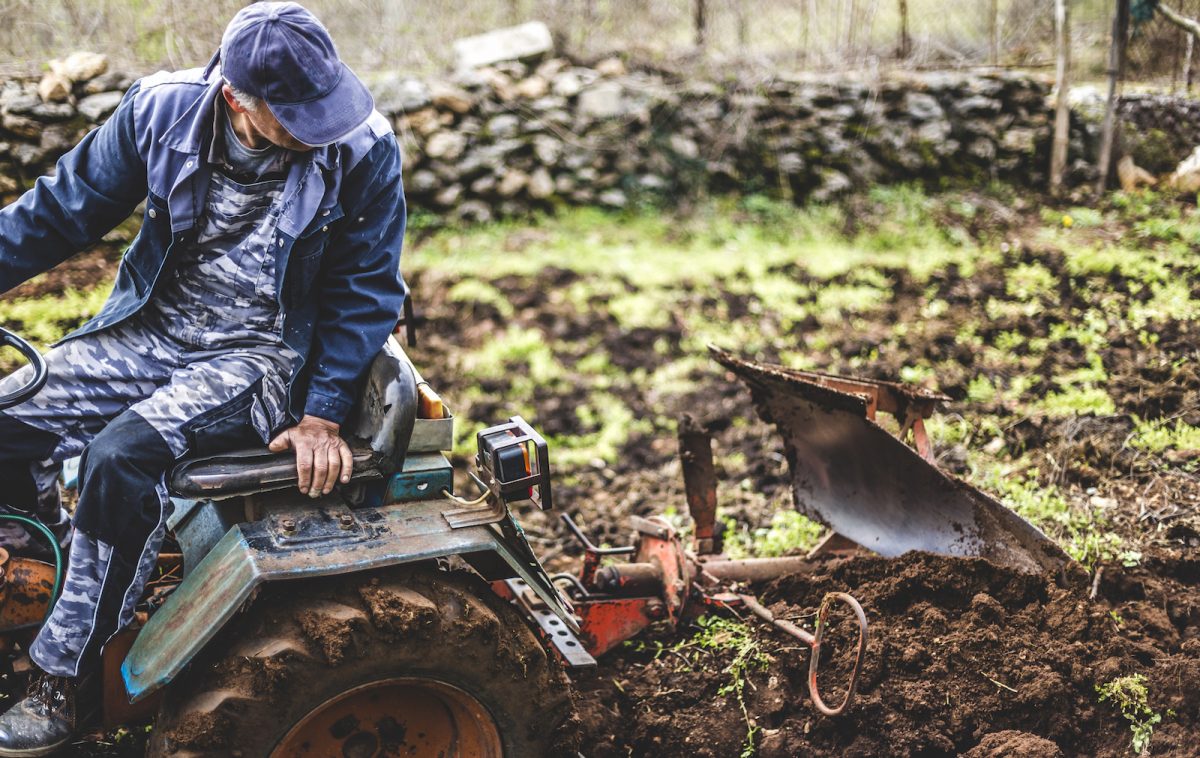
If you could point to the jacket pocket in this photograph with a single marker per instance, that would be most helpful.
(237, 423)
(308, 253)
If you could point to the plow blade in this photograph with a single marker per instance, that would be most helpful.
(866, 484)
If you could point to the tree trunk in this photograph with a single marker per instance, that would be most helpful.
(701, 18)
(1116, 68)
(905, 49)
(1062, 111)
(994, 32)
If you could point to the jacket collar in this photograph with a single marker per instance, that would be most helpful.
(194, 127)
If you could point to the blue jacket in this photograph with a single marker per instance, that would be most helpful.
(338, 276)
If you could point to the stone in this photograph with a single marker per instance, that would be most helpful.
(54, 88)
(483, 185)
(977, 105)
(684, 147)
(611, 67)
(52, 112)
(1186, 176)
(833, 184)
(532, 88)
(504, 126)
(449, 97)
(651, 183)
(791, 164)
(475, 211)
(564, 184)
(29, 155)
(933, 131)
(512, 182)
(113, 81)
(81, 66)
(613, 198)
(424, 122)
(514, 43)
(422, 182)
(58, 139)
(395, 93)
(501, 83)
(922, 107)
(448, 195)
(99, 106)
(1019, 140)
(547, 149)
(982, 148)
(541, 184)
(567, 84)
(602, 100)
(447, 145)
(21, 126)
(549, 68)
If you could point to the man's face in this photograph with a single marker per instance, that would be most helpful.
(265, 126)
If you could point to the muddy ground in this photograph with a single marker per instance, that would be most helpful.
(1068, 349)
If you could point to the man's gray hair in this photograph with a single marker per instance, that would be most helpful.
(249, 102)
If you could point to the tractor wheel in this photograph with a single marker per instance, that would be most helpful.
(412, 661)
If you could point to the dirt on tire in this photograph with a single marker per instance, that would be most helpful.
(298, 649)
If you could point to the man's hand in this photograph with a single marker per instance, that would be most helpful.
(321, 455)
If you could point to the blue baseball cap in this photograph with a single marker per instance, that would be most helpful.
(281, 54)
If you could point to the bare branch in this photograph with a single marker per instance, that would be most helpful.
(1189, 25)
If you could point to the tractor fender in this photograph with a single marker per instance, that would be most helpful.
(310, 543)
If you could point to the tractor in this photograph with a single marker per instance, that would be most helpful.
(361, 623)
(396, 616)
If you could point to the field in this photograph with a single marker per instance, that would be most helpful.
(1065, 338)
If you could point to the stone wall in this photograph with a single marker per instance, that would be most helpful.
(509, 138)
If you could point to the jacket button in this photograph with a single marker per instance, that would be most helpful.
(325, 212)
(324, 228)
(153, 213)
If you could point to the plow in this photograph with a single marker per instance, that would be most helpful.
(400, 616)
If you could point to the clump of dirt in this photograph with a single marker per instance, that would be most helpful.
(963, 656)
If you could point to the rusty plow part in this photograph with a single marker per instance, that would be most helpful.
(866, 484)
(814, 641)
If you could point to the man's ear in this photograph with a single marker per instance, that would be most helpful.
(230, 100)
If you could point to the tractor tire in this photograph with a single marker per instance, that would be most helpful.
(412, 661)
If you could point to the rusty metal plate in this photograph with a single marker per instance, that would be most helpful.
(851, 474)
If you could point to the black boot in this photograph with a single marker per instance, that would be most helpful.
(44, 721)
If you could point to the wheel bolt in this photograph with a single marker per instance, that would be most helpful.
(347, 520)
(289, 525)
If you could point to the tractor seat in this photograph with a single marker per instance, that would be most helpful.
(378, 433)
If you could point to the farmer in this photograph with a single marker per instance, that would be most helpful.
(264, 280)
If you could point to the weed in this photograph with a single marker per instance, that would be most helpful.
(1083, 531)
(1157, 436)
(1129, 693)
(789, 532)
(718, 634)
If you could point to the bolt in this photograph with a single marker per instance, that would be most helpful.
(346, 520)
(655, 609)
(289, 525)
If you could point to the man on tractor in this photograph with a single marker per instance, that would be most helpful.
(264, 280)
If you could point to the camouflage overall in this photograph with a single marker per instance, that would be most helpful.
(207, 343)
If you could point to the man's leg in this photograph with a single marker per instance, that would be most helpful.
(122, 470)
(223, 401)
(91, 380)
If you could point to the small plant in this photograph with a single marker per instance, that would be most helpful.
(1130, 695)
(721, 634)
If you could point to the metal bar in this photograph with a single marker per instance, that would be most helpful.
(755, 569)
(699, 480)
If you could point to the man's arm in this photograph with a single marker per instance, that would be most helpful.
(361, 295)
(95, 187)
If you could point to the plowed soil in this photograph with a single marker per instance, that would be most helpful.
(965, 657)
